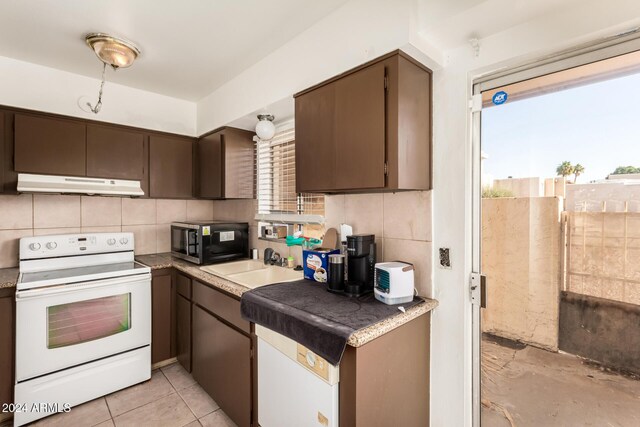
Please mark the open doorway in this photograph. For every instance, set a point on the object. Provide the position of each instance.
(560, 247)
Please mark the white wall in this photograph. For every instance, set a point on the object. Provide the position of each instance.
(32, 86)
(355, 33)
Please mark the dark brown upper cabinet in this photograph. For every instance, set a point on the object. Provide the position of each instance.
(170, 167)
(368, 129)
(46, 145)
(226, 164)
(115, 153)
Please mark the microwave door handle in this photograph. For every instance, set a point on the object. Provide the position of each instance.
(186, 242)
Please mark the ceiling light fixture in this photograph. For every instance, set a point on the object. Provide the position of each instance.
(265, 129)
(113, 51)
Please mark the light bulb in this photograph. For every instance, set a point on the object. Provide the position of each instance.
(265, 129)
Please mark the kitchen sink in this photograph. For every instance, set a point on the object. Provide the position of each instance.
(266, 276)
(252, 273)
(234, 267)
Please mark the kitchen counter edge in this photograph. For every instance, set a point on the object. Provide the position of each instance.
(357, 339)
(9, 277)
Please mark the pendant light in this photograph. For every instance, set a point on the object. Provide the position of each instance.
(113, 51)
(265, 129)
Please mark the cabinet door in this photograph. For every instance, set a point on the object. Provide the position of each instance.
(6, 349)
(222, 365)
(183, 331)
(360, 129)
(114, 153)
(170, 166)
(238, 151)
(161, 317)
(46, 145)
(210, 166)
(2, 151)
(315, 149)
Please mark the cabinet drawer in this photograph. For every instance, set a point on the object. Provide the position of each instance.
(183, 285)
(220, 304)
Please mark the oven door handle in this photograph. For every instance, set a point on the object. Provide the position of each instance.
(69, 288)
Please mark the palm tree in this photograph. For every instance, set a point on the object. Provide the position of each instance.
(564, 169)
(578, 169)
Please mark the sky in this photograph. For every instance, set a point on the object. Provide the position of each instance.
(597, 125)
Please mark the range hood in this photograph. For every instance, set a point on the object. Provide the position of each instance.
(29, 183)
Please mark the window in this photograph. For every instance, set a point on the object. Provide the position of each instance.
(276, 183)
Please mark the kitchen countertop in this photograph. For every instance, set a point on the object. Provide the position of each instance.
(357, 339)
(9, 277)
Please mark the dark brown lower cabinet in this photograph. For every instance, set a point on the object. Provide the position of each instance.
(183, 331)
(7, 349)
(222, 364)
(161, 315)
(398, 394)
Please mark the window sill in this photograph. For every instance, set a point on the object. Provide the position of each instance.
(290, 218)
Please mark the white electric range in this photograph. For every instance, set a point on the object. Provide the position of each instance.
(83, 321)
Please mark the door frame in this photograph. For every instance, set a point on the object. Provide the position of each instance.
(593, 51)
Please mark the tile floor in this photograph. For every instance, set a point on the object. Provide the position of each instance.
(171, 398)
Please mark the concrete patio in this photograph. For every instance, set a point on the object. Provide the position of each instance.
(526, 386)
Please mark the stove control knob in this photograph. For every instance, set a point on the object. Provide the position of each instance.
(124, 240)
(111, 242)
(52, 245)
(34, 246)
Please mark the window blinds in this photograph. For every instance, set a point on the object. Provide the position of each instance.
(276, 183)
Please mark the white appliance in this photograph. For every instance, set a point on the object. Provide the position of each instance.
(394, 282)
(83, 321)
(296, 387)
(30, 183)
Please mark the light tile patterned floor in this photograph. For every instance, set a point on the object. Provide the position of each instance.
(170, 399)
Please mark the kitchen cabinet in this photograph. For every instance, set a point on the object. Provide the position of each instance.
(210, 166)
(368, 129)
(403, 354)
(161, 315)
(225, 165)
(6, 150)
(314, 139)
(222, 365)
(170, 167)
(7, 346)
(222, 356)
(116, 153)
(183, 321)
(49, 145)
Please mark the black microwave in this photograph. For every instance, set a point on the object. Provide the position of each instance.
(210, 242)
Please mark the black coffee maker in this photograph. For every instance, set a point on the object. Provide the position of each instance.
(361, 262)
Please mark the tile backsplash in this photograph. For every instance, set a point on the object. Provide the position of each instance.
(400, 221)
(39, 214)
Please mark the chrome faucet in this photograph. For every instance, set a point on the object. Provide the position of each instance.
(272, 257)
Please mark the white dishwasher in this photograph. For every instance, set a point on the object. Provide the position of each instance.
(296, 387)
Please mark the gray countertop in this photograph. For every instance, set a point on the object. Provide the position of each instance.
(9, 277)
(357, 339)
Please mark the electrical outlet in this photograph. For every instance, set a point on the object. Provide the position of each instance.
(445, 258)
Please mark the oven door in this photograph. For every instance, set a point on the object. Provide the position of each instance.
(68, 325)
(186, 243)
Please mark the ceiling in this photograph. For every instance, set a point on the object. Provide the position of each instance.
(452, 23)
(189, 47)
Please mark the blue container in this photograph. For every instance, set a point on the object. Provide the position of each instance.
(316, 263)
